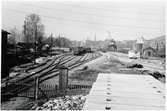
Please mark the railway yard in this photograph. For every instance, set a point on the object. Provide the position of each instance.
(83, 55)
(83, 74)
(22, 77)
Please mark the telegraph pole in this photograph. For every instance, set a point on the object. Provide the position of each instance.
(95, 46)
(59, 41)
(51, 43)
(35, 41)
(25, 29)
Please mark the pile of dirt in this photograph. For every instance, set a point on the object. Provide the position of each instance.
(135, 66)
(159, 76)
(117, 66)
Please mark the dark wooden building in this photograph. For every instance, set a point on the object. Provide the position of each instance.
(149, 52)
(4, 66)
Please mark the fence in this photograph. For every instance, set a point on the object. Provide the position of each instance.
(52, 91)
(35, 90)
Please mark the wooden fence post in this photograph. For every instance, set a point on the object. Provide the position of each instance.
(63, 80)
(36, 87)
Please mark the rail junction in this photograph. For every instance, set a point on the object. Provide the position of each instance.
(24, 80)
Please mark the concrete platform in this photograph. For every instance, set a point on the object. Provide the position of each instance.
(126, 92)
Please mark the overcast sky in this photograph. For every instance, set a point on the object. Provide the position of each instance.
(82, 20)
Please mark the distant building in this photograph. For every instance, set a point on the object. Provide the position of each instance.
(149, 52)
(150, 48)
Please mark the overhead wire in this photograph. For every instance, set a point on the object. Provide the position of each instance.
(80, 21)
(91, 14)
(104, 9)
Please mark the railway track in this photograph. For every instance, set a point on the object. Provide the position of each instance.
(29, 69)
(29, 72)
(72, 64)
(45, 71)
(26, 77)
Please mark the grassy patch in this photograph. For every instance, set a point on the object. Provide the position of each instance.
(85, 75)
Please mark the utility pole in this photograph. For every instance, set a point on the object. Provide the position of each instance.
(35, 41)
(25, 29)
(51, 40)
(95, 46)
(157, 48)
(59, 42)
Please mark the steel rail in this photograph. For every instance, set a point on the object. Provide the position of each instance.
(51, 71)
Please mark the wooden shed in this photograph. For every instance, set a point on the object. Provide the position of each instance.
(149, 52)
(4, 66)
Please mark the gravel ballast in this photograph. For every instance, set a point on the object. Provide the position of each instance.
(64, 103)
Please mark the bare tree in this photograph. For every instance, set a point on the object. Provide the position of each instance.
(13, 36)
(63, 42)
(33, 29)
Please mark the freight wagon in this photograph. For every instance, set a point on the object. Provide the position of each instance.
(81, 50)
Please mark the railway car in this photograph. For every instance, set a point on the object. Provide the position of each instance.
(88, 50)
(78, 50)
(81, 50)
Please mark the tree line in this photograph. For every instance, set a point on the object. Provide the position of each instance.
(34, 33)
